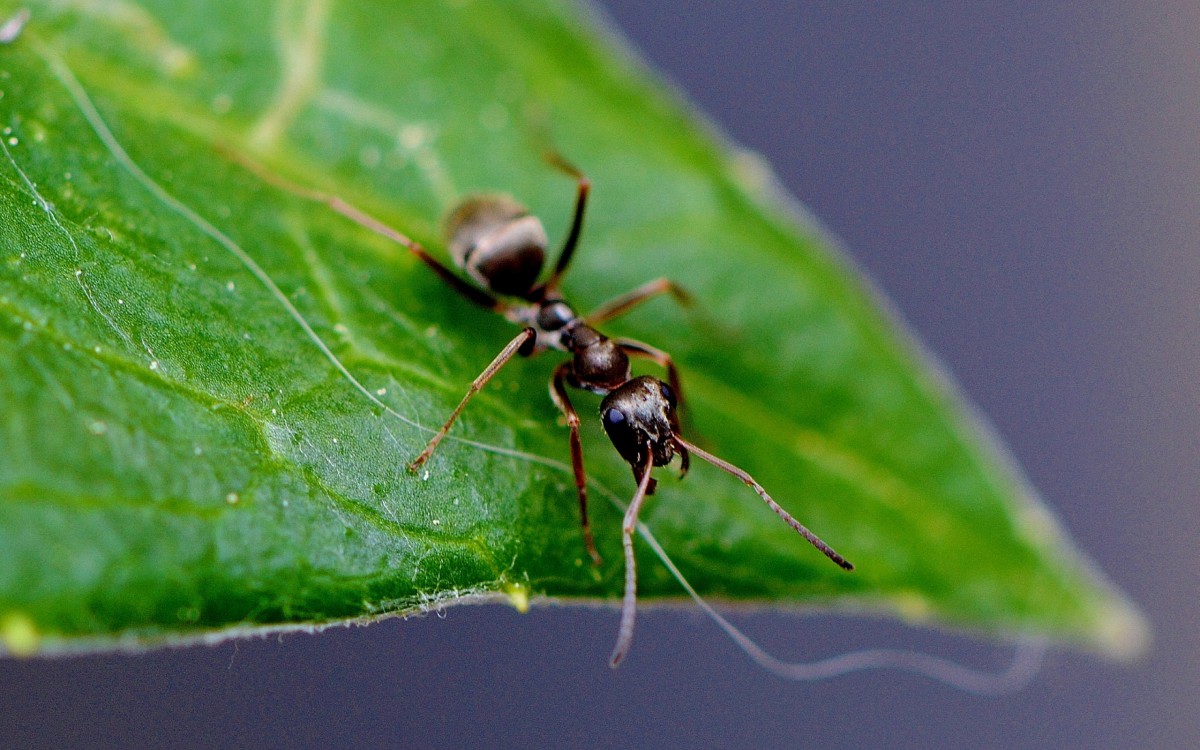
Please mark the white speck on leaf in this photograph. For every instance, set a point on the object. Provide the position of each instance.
(413, 136)
(11, 28)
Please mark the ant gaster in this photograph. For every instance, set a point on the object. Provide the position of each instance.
(502, 247)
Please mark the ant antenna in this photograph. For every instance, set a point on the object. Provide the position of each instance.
(800, 528)
(642, 472)
(629, 603)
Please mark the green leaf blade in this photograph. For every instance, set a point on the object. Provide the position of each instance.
(215, 384)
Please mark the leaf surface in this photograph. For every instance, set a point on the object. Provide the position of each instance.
(212, 385)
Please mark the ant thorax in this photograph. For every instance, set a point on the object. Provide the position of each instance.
(599, 364)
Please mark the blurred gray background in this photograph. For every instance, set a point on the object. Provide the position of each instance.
(1023, 184)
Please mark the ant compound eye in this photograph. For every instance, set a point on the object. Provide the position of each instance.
(668, 393)
(614, 417)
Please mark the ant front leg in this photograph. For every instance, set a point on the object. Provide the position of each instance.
(583, 185)
(620, 305)
(367, 221)
(523, 345)
(558, 394)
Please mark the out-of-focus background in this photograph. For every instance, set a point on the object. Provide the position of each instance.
(1024, 185)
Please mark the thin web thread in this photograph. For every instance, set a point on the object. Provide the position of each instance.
(1026, 662)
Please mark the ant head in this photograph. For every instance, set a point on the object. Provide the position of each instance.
(495, 240)
(641, 413)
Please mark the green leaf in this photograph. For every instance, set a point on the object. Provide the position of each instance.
(211, 385)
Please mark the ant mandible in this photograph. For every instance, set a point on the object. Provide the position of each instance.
(502, 248)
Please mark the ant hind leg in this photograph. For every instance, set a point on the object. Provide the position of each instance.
(583, 186)
(367, 221)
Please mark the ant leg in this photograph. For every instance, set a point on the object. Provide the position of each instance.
(638, 349)
(523, 345)
(626, 302)
(799, 528)
(629, 603)
(467, 290)
(583, 185)
(365, 220)
(558, 394)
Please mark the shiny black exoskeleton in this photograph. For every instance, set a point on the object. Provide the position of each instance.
(641, 416)
(502, 248)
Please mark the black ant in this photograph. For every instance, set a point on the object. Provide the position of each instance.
(502, 247)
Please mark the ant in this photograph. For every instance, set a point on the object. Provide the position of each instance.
(502, 248)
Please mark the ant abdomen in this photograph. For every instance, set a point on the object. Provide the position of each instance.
(496, 240)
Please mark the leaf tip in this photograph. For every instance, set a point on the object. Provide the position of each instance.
(1121, 631)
